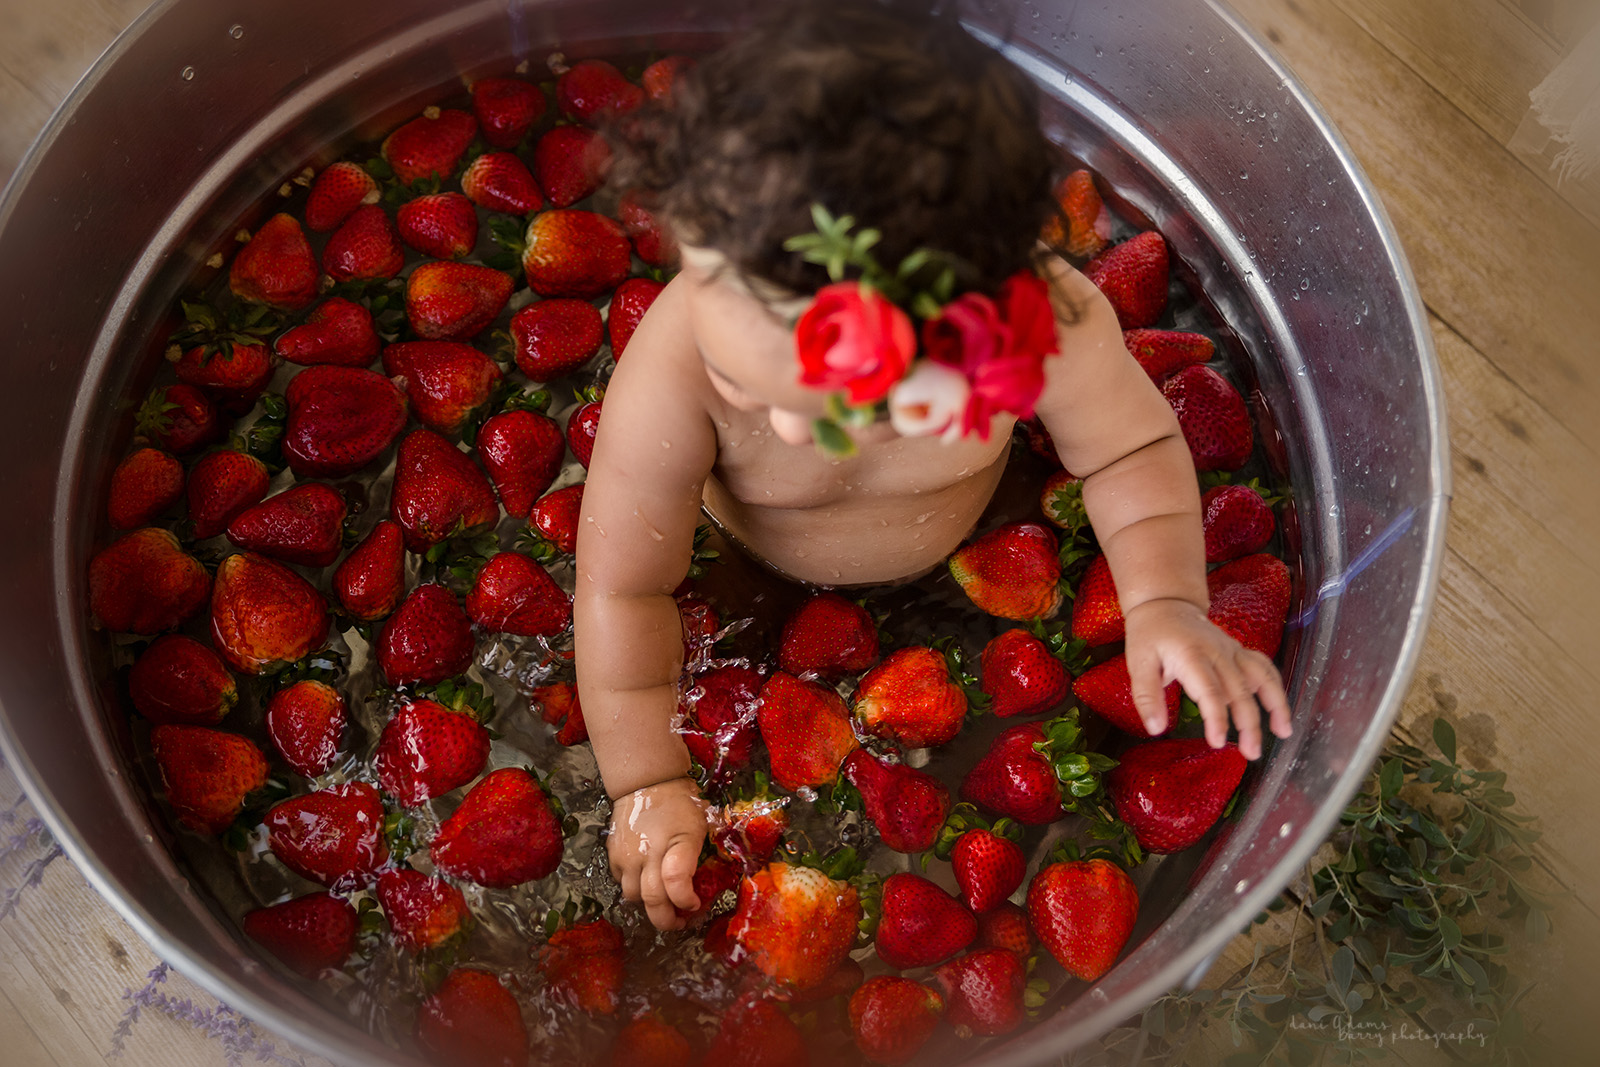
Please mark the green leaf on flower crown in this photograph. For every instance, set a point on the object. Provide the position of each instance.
(830, 438)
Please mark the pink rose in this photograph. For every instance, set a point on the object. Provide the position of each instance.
(851, 338)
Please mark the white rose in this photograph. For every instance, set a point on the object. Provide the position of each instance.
(929, 401)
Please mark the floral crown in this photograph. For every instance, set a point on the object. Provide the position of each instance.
(979, 356)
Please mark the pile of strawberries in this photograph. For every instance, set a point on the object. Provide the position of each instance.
(410, 346)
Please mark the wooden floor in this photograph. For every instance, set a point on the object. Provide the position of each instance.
(1431, 95)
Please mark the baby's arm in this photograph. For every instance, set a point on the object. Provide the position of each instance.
(1112, 426)
(641, 505)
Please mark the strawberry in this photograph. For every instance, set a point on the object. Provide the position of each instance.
(423, 912)
(365, 247)
(1096, 611)
(652, 242)
(309, 935)
(305, 722)
(584, 966)
(471, 1020)
(909, 698)
(145, 484)
(276, 266)
(650, 1041)
(570, 163)
(1133, 276)
(338, 332)
(1213, 417)
(426, 750)
(553, 338)
(506, 109)
(450, 301)
(1161, 352)
(751, 830)
(502, 834)
(756, 1033)
(715, 880)
(720, 945)
(594, 88)
(921, 924)
(700, 624)
(221, 485)
(1083, 912)
(303, 524)
(1021, 675)
(1083, 225)
(892, 1017)
(232, 375)
(1170, 792)
(178, 418)
(555, 516)
(1237, 522)
(514, 595)
(828, 636)
(1250, 601)
(207, 774)
(340, 420)
(1038, 440)
(333, 836)
(499, 181)
(372, 578)
(441, 225)
(1022, 774)
(438, 491)
(575, 253)
(660, 77)
(559, 706)
(429, 145)
(263, 614)
(144, 583)
(179, 680)
(427, 639)
(446, 381)
(1106, 690)
(1012, 572)
(582, 425)
(336, 192)
(719, 708)
(628, 305)
(907, 806)
(984, 989)
(988, 868)
(796, 923)
(806, 729)
(1006, 926)
(522, 451)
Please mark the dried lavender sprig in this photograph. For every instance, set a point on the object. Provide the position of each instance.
(237, 1035)
(19, 840)
(32, 875)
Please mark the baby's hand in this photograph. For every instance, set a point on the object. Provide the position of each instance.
(1172, 640)
(654, 847)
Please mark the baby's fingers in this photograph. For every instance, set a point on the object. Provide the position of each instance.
(1265, 681)
(1149, 697)
(653, 891)
(677, 873)
(1200, 680)
(1242, 702)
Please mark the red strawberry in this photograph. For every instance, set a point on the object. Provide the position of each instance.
(426, 750)
(1096, 611)
(921, 924)
(555, 516)
(263, 614)
(338, 332)
(177, 418)
(423, 912)
(305, 722)
(660, 77)
(333, 836)
(506, 109)
(1160, 352)
(988, 868)
(893, 1017)
(233, 375)
(276, 266)
(700, 624)
(984, 990)
(514, 595)
(144, 583)
(179, 680)
(427, 640)
(1237, 522)
(431, 144)
(303, 524)
(1133, 276)
(1170, 792)
(652, 242)
(144, 485)
(1039, 441)
(1106, 690)
(828, 636)
(441, 225)
(1006, 927)
(1213, 417)
(719, 707)
(446, 381)
(751, 830)
(1021, 675)
(1061, 500)
(582, 425)
(559, 706)
(797, 924)
(909, 698)
(309, 934)
(628, 305)
(365, 248)
(806, 729)
(499, 181)
(340, 420)
(438, 491)
(207, 774)
(907, 806)
(371, 580)
(1083, 912)
(575, 253)
(472, 1020)
(649, 1041)
(1250, 600)
(221, 485)
(1083, 226)
(570, 163)
(594, 88)
(1015, 779)
(584, 966)
(522, 451)
(756, 1033)
(1012, 572)
(450, 301)
(553, 338)
(336, 192)
(502, 834)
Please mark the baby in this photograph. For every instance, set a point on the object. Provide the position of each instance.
(754, 356)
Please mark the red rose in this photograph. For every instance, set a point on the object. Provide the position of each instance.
(999, 345)
(1025, 306)
(967, 334)
(852, 338)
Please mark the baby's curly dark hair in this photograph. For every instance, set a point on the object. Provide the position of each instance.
(881, 109)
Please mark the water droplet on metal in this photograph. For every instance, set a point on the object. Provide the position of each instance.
(187, 74)
(236, 31)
